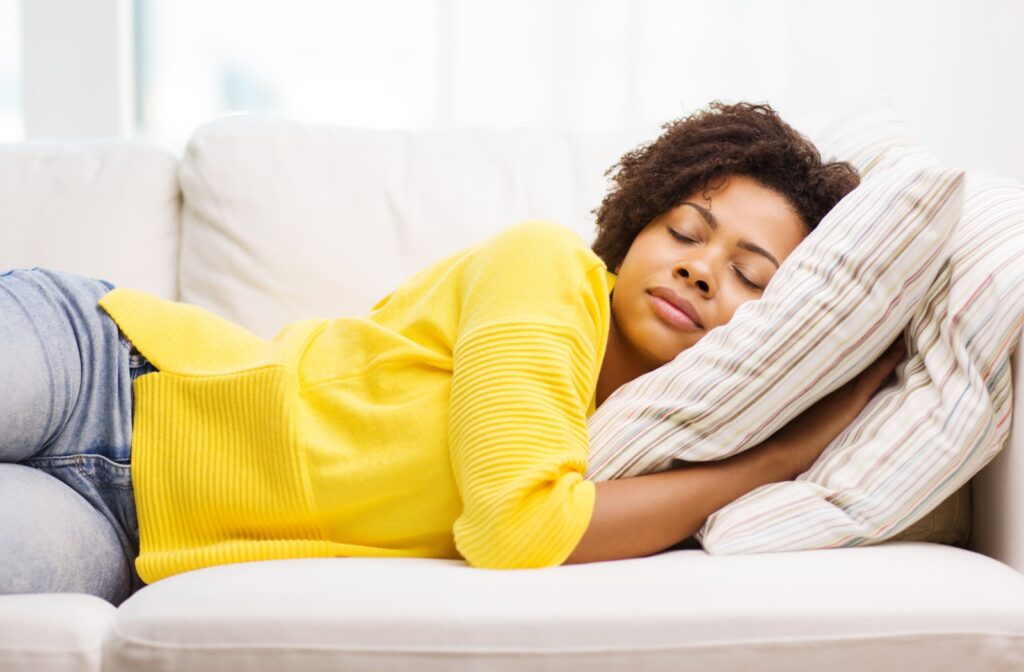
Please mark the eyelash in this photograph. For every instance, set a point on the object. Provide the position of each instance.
(684, 239)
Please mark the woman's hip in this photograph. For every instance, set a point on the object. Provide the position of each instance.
(66, 375)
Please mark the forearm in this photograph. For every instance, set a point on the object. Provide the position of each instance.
(642, 515)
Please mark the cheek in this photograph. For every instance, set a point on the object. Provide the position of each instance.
(620, 307)
(730, 307)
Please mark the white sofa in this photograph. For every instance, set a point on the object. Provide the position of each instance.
(265, 222)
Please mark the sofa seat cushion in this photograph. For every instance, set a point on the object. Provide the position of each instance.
(894, 606)
(52, 632)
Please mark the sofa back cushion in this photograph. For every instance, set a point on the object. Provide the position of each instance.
(108, 209)
(284, 221)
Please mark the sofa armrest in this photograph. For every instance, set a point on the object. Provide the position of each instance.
(998, 504)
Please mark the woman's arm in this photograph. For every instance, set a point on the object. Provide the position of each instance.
(642, 515)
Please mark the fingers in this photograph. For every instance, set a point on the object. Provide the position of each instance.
(899, 346)
(896, 352)
(885, 365)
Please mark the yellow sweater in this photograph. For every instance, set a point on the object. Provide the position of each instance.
(451, 421)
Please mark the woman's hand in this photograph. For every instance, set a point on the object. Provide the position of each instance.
(801, 441)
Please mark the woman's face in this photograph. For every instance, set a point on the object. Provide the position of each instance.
(716, 251)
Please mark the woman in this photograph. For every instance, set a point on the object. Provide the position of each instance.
(449, 422)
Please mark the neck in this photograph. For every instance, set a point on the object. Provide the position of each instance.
(621, 364)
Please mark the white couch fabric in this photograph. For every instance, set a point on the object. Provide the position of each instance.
(97, 208)
(53, 632)
(288, 207)
(285, 221)
(998, 490)
(897, 606)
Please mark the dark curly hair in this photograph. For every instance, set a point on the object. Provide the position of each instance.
(745, 139)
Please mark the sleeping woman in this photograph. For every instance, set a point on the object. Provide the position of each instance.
(141, 438)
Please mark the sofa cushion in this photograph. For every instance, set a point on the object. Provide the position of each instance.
(284, 221)
(894, 607)
(107, 209)
(53, 632)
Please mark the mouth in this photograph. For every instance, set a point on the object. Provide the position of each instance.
(675, 310)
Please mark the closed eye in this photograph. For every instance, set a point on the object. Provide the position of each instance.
(680, 237)
(748, 283)
(690, 241)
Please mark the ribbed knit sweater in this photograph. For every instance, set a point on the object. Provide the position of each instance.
(449, 422)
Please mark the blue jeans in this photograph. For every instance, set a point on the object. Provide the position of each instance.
(67, 509)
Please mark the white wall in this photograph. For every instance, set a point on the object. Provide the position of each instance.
(11, 122)
(949, 66)
(77, 76)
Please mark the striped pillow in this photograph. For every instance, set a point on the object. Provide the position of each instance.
(833, 306)
(861, 138)
(921, 440)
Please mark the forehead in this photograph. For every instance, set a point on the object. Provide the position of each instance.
(738, 200)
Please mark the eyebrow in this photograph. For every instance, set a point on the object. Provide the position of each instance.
(744, 244)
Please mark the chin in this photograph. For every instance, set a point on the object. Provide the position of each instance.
(668, 357)
(663, 357)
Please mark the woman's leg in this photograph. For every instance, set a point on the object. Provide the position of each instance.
(53, 541)
(66, 412)
(63, 369)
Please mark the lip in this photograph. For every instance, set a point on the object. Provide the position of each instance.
(676, 304)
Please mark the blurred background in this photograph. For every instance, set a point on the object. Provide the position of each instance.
(157, 69)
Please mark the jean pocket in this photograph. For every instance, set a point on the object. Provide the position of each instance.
(104, 471)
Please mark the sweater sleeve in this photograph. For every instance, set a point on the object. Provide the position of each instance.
(527, 355)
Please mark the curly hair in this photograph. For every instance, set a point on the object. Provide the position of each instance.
(741, 139)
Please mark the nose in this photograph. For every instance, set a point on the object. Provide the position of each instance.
(697, 276)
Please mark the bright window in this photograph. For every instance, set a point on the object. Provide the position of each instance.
(387, 63)
(357, 63)
(12, 127)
